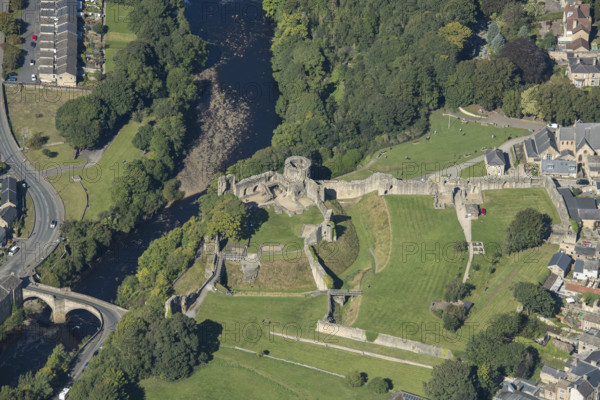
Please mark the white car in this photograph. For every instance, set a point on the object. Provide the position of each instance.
(64, 393)
(31, 62)
(33, 77)
(53, 224)
(13, 250)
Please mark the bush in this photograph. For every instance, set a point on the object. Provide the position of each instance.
(356, 379)
(492, 269)
(371, 336)
(576, 191)
(476, 267)
(36, 141)
(457, 290)
(328, 281)
(379, 385)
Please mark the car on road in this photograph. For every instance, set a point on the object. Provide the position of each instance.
(86, 365)
(582, 182)
(33, 77)
(31, 62)
(64, 393)
(13, 250)
(34, 38)
(53, 224)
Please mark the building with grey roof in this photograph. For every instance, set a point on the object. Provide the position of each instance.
(584, 252)
(8, 193)
(583, 71)
(495, 162)
(542, 146)
(586, 269)
(559, 168)
(559, 264)
(574, 204)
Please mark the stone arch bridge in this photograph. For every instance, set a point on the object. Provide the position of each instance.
(63, 301)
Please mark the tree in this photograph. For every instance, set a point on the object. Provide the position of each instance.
(98, 28)
(379, 385)
(225, 215)
(355, 379)
(535, 64)
(15, 5)
(452, 380)
(529, 104)
(492, 79)
(506, 326)
(36, 141)
(8, 24)
(497, 43)
(535, 298)
(492, 31)
(523, 31)
(456, 290)
(514, 17)
(142, 138)
(13, 57)
(84, 121)
(490, 7)
(456, 34)
(511, 103)
(528, 229)
(548, 41)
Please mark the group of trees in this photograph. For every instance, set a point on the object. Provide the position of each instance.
(528, 229)
(377, 384)
(42, 384)
(10, 27)
(146, 344)
(491, 354)
(536, 299)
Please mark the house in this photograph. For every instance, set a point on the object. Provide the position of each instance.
(556, 391)
(589, 320)
(586, 269)
(559, 264)
(57, 60)
(541, 146)
(583, 71)
(10, 293)
(553, 283)
(587, 342)
(495, 162)
(8, 193)
(593, 166)
(577, 23)
(575, 204)
(582, 139)
(584, 252)
(590, 218)
(559, 168)
(518, 389)
(551, 375)
(8, 216)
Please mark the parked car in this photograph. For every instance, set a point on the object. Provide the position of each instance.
(31, 62)
(582, 182)
(13, 250)
(33, 44)
(33, 77)
(64, 393)
(34, 38)
(483, 211)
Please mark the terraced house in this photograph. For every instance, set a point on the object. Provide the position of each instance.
(58, 42)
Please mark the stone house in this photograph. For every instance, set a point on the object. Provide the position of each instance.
(495, 162)
(559, 168)
(581, 139)
(577, 23)
(589, 320)
(559, 264)
(583, 71)
(586, 269)
(542, 146)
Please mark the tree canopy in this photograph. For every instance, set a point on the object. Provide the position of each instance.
(528, 229)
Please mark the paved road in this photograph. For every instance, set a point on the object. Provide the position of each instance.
(47, 204)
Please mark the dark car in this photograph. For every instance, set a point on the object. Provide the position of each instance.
(582, 182)
(33, 44)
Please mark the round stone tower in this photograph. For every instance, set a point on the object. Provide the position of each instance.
(297, 169)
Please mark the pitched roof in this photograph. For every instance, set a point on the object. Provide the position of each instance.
(584, 387)
(559, 167)
(530, 149)
(8, 192)
(584, 250)
(9, 214)
(576, 203)
(561, 260)
(589, 214)
(578, 44)
(590, 131)
(543, 140)
(554, 372)
(495, 158)
(578, 267)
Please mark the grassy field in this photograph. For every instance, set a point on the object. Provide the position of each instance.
(283, 229)
(422, 262)
(191, 280)
(289, 275)
(372, 227)
(502, 206)
(447, 147)
(234, 374)
(33, 110)
(119, 34)
(242, 320)
(475, 170)
(98, 179)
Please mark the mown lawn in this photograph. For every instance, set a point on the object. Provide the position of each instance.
(242, 320)
(372, 228)
(282, 229)
(98, 179)
(34, 110)
(446, 148)
(119, 34)
(234, 374)
(396, 301)
(475, 170)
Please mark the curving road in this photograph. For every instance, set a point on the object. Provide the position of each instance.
(47, 204)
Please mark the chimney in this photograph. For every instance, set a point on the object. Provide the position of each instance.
(586, 377)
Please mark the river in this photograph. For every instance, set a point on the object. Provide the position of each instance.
(239, 45)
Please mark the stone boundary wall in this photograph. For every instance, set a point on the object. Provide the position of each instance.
(382, 340)
(317, 269)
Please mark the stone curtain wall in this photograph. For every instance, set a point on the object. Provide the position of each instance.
(333, 330)
(317, 269)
